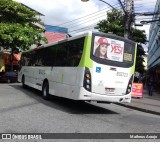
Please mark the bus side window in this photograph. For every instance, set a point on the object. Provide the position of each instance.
(61, 56)
(39, 57)
(47, 56)
(75, 52)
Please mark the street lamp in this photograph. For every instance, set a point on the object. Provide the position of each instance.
(101, 1)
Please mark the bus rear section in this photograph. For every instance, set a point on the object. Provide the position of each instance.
(110, 77)
(111, 84)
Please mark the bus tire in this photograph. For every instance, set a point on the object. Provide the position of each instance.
(45, 90)
(23, 82)
(8, 81)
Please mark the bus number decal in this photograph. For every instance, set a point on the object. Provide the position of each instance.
(122, 74)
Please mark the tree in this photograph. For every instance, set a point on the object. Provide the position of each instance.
(17, 29)
(139, 36)
(114, 23)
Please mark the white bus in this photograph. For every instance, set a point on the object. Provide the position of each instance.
(91, 67)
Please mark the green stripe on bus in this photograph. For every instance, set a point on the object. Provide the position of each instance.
(85, 60)
(133, 67)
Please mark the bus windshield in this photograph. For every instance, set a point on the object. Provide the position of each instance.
(112, 50)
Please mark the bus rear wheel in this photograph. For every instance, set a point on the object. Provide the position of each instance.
(45, 91)
(8, 81)
(23, 82)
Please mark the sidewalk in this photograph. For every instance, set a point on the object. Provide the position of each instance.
(149, 104)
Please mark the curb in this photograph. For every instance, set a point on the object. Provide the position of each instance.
(139, 109)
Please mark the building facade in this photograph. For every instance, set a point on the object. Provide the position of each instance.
(154, 45)
(38, 25)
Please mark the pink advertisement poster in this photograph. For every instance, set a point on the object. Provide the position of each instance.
(137, 90)
(107, 48)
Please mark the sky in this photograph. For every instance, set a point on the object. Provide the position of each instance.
(77, 15)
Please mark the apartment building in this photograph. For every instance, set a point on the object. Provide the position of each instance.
(154, 45)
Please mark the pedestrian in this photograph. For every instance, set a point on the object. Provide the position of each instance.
(101, 50)
(140, 78)
(135, 79)
(150, 86)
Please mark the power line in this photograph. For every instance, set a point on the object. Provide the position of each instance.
(85, 16)
(108, 4)
(73, 31)
(75, 21)
(122, 7)
(83, 28)
(140, 18)
(72, 23)
(81, 17)
(102, 14)
(86, 28)
(86, 21)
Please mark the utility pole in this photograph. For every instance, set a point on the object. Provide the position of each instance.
(128, 11)
(128, 17)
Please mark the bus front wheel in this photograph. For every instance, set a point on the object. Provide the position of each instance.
(45, 91)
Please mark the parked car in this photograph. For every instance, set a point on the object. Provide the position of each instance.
(8, 77)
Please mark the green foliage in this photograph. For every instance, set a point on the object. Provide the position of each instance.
(17, 29)
(138, 36)
(17, 35)
(115, 24)
(12, 11)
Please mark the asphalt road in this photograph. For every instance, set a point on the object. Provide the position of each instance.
(24, 111)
